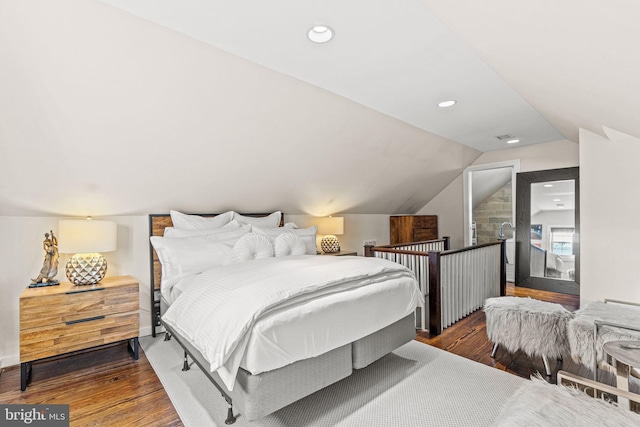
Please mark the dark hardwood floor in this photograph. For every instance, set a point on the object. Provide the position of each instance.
(103, 387)
(106, 388)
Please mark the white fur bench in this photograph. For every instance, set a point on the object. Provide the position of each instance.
(610, 320)
(539, 403)
(537, 328)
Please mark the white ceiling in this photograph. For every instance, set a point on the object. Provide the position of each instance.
(395, 57)
(106, 113)
(575, 61)
(553, 196)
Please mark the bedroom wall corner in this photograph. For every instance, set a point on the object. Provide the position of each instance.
(448, 204)
(609, 231)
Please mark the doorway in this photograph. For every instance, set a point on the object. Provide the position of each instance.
(489, 202)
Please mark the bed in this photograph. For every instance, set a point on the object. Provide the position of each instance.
(274, 341)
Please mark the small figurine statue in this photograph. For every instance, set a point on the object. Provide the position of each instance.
(50, 264)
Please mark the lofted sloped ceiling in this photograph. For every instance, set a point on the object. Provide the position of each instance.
(393, 56)
(576, 62)
(130, 107)
(105, 113)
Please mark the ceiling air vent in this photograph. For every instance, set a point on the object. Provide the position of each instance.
(503, 137)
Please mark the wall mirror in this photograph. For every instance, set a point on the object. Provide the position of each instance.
(548, 230)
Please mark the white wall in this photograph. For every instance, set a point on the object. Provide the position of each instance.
(609, 228)
(357, 228)
(21, 258)
(449, 203)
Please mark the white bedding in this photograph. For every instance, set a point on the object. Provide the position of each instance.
(179, 288)
(218, 311)
(314, 327)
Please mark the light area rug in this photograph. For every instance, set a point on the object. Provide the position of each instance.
(416, 385)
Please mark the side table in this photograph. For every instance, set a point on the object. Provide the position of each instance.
(625, 355)
(66, 318)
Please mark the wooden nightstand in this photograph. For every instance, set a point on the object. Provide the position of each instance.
(61, 319)
(341, 253)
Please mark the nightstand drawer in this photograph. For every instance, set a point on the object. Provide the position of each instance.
(77, 303)
(78, 334)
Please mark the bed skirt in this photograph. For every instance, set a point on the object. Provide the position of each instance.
(255, 396)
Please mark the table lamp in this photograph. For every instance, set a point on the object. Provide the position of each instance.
(86, 239)
(330, 226)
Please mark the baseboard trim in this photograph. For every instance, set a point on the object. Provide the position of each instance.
(8, 361)
(145, 330)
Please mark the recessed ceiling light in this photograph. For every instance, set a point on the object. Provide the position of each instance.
(513, 141)
(556, 200)
(445, 104)
(548, 185)
(320, 33)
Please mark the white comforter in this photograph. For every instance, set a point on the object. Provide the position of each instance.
(217, 312)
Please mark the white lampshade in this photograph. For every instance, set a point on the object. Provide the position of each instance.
(86, 236)
(329, 227)
(86, 239)
(332, 225)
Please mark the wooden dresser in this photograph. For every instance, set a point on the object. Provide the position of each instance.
(413, 228)
(55, 320)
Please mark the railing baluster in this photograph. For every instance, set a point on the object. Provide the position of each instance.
(465, 279)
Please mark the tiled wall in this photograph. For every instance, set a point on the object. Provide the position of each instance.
(495, 210)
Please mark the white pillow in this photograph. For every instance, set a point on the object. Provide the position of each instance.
(227, 236)
(195, 222)
(231, 236)
(307, 235)
(181, 232)
(289, 244)
(182, 257)
(252, 246)
(272, 220)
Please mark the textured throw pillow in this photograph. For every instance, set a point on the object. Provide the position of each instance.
(181, 232)
(252, 246)
(307, 235)
(289, 244)
(194, 222)
(272, 220)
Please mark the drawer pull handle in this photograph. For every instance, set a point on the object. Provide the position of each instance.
(84, 290)
(89, 319)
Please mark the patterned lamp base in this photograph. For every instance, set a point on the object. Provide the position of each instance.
(86, 269)
(330, 244)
